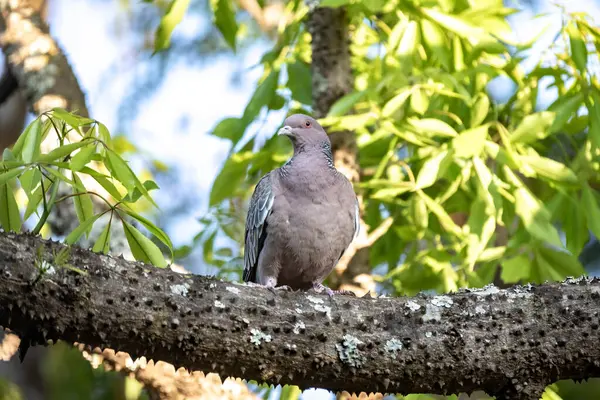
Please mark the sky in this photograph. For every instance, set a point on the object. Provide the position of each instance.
(201, 95)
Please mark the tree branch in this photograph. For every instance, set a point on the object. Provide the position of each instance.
(8, 84)
(331, 79)
(37, 62)
(510, 343)
(363, 241)
(163, 382)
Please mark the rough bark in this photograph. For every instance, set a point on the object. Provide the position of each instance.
(510, 343)
(36, 61)
(13, 106)
(13, 109)
(331, 79)
(44, 77)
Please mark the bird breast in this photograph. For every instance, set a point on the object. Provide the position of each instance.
(317, 226)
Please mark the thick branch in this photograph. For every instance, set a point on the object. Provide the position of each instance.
(331, 79)
(37, 62)
(510, 343)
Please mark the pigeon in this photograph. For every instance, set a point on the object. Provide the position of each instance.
(302, 216)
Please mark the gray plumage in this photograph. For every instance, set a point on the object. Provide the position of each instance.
(302, 216)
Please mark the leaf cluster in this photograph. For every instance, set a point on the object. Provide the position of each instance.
(81, 151)
(472, 183)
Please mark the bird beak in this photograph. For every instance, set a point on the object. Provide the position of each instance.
(286, 131)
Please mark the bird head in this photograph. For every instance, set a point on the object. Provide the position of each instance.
(303, 130)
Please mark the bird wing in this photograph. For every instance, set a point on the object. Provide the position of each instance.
(356, 219)
(260, 207)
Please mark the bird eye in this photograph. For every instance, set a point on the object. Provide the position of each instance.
(307, 124)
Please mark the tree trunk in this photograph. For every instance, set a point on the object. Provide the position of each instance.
(510, 343)
(331, 79)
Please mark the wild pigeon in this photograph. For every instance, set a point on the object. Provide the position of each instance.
(302, 216)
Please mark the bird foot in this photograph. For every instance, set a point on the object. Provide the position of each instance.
(319, 288)
(274, 289)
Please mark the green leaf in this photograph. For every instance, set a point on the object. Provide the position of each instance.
(432, 169)
(142, 248)
(70, 118)
(389, 193)
(136, 194)
(456, 25)
(533, 127)
(574, 224)
(230, 128)
(290, 392)
(441, 214)
(150, 185)
(103, 181)
(432, 127)
(480, 109)
(103, 133)
(435, 41)
(557, 264)
(231, 175)
(471, 142)
(578, 47)
(62, 151)
(10, 174)
(9, 211)
(32, 143)
(565, 108)
(262, 96)
(33, 129)
(334, 3)
(153, 229)
(35, 198)
(121, 171)
(591, 209)
(458, 54)
(168, 22)
(82, 157)
(224, 17)
(418, 212)
(300, 82)
(102, 244)
(395, 35)
(344, 104)
(395, 102)
(482, 225)
(419, 101)
(550, 169)
(535, 217)
(30, 179)
(7, 155)
(85, 226)
(208, 246)
(594, 116)
(276, 103)
(409, 41)
(122, 145)
(84, 207)
(516, 269)
(55, 172)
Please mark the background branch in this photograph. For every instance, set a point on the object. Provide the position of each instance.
(37, 62)
(331, 79)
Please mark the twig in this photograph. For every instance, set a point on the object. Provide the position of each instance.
(361, 243)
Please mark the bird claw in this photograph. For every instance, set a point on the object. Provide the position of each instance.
(345, 293)
(274, 289)
(319, 288)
